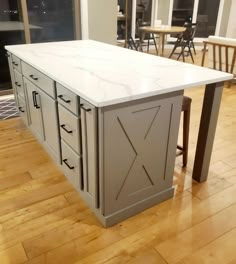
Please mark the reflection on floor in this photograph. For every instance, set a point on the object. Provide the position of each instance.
(8, 107)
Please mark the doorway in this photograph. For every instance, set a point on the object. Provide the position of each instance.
(205, 12)
(207, 17)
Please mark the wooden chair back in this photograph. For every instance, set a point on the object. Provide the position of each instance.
(221, 54)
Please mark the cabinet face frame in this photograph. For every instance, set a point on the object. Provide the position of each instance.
(89, 135)
(50, 124)
(9, 58)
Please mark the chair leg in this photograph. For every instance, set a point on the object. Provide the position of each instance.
(154, 40)
(172, 52)
(134, 45)
(182, 53)
(140, 45)
(129, 46)
(186, 122)
(189, 49)
(148, 45)
(193, 47)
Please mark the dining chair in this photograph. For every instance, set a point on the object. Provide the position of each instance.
(150, 37)
(221, 54)
(183, 149)
(185, 41)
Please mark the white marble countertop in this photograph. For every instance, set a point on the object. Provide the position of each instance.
(104, 74)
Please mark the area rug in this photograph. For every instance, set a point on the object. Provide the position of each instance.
(8, 107)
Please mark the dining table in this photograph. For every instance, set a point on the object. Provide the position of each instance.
(161, 30)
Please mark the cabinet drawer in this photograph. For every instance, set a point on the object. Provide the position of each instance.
(19, 84)
(69, 127)
(67, 98)
(16, 63)
(23, 110)
(71, 164)
(38, 78)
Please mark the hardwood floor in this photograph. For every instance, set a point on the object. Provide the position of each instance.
(43, 220)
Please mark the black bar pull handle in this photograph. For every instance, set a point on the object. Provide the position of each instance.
(64, 128)
(64, 100)
(85, 109)
(33, 77)
(20, 108)
(33, 96)
(36, 103)
(17, 84)
(16, 64)
(70, 167)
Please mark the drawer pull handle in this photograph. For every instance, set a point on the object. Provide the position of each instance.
(85, 109)
(16, 64)
(17, 84)
(20, 108)
(7, 55)
(33, 77)
(36, 103)
(34, 93)
(70, 167)
(64, 100)
(64, 128)
(33, 96)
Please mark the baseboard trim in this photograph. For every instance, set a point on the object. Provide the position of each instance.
(134, 209)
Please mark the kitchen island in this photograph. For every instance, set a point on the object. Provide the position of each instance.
(109, 117)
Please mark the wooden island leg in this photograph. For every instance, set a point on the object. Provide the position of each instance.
(206, 134)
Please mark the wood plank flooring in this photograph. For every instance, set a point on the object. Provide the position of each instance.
(44, 221)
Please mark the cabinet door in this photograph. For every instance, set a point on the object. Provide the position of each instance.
(89, 151)
(35, 116)
(50, 122)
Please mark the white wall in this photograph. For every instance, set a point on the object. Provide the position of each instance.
(163, 11)
(101, 24)
(231, 29)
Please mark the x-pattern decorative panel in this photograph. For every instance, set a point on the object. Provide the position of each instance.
(137, 141)
(138, 165)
